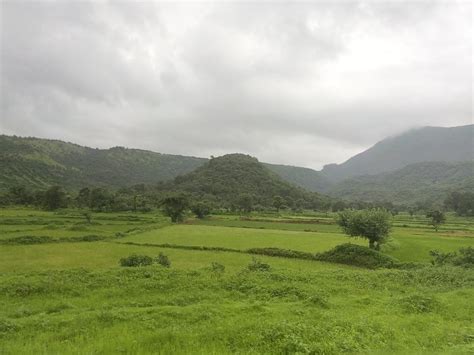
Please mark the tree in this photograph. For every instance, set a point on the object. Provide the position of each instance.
(201, 209)
(437, 218)
(372, 224)
(245, 202)
(461, 202)
(100, 199)
(54, 198)
(278, 202)
(83, 197)
(174, 207)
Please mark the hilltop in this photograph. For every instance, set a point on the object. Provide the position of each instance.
(40, 163)
(428, 144)
(226, 178)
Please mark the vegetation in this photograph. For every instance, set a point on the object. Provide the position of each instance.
(372, 224)
(136, 260)
(461, 202)
(305, 293)
(174, 206)
(357, 255)
(412, 147)
(464, 257)
(241, 182)
(437, 218)
(41, 163)
(428, 183)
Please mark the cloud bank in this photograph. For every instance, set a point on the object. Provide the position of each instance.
(294, 83)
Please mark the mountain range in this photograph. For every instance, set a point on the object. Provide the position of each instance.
(425, 163)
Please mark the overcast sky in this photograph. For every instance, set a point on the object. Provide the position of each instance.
(296, 83)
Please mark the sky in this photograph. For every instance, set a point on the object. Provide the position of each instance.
(296, 83)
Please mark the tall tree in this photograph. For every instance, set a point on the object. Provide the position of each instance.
(54, 198)
(174, 206)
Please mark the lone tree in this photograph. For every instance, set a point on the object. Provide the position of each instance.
(278, 202)
(54, 198)
(437, 218)
(174, 207)
(372, 224)
(201, 209)
(245, 202)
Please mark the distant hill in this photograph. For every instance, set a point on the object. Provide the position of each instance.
(426, 144)
(427, 181)
(225, 178)
(39, 163)
(306, 178)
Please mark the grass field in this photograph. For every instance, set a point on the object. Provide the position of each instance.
(69, 296)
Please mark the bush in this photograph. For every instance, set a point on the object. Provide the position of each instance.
(135, 260)
(285, 253)
(352, 254)
(163, 260)
(28, 239)
(418, 303)
(464, 257)
(217, 268)
(257, 265)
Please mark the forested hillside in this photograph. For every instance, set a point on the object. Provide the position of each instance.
(234, 177)
(39, 163)
(429, 182)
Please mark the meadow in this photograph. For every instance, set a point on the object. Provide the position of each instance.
(62, 289)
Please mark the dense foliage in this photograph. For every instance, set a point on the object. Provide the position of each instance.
(41, 163)
(357, 255)
(461, 202)
(241, 182)
(427, 183)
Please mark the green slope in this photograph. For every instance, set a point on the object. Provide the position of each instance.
(427, 181)
(39, 163)
(225, 178)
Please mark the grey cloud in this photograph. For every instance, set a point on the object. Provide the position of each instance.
(295, 83)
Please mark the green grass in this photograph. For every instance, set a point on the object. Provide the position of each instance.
(75, 298)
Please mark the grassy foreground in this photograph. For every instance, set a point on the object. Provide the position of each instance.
(72, 297)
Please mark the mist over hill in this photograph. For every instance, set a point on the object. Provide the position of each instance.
(453, 144)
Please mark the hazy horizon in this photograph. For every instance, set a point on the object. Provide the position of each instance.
(302, 84)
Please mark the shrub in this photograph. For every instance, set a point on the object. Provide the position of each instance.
(257, 265)
(28, 239)
(136, 260)
(352, 254)
(163, 260)
(217, 268)
(418, 303)
(464, 257)
(285, 253)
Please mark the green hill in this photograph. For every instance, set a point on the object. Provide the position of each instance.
(228, 177)
(39, 163)
(427, 181)
(306, 178)
(453, 144)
